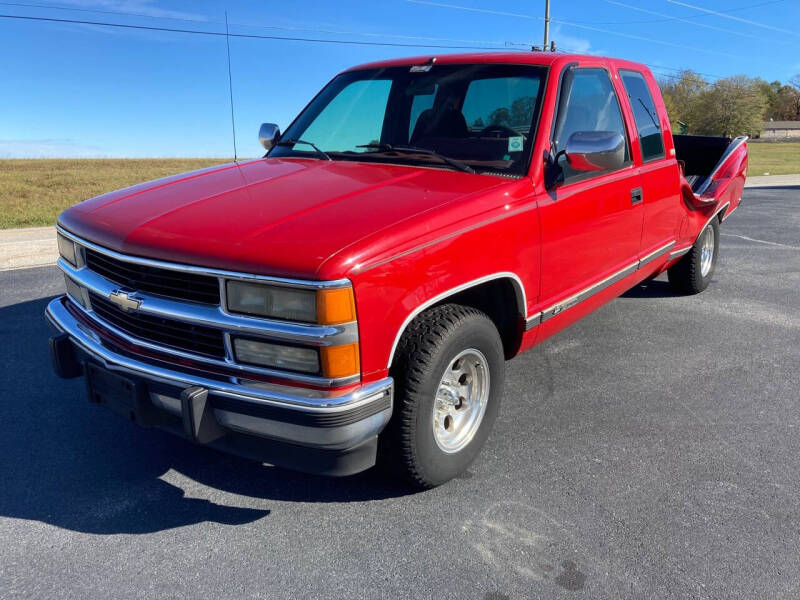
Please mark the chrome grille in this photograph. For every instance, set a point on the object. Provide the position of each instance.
(197, 339)
(180, 285)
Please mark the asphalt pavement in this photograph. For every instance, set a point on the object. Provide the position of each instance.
(650, 451)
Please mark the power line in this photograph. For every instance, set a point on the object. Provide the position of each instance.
(689, 21)
(573, 24)
(733, 18)
(670, 18)
(249, 35)
(283, 38)
(271, 27)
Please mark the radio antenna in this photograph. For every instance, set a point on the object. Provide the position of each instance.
(230, 86)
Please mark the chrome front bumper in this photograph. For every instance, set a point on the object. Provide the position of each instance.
(318, 419)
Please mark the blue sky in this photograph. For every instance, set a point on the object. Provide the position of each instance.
(83, 90)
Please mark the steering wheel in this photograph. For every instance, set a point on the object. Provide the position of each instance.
(498, 130)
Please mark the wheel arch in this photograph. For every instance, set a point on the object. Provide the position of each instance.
(492, 294)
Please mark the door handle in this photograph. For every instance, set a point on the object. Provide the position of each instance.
(636, 195)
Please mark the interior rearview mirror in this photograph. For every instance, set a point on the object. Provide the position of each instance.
(268, 135)
(595, 151)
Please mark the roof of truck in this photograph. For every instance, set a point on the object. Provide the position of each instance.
(526, 58)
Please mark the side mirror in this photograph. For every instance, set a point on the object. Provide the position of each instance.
(268, 135)
(595, 151)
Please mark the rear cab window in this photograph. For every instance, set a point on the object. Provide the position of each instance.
(644, 114)
(501, 103)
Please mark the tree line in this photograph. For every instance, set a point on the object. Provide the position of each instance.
(732, 106)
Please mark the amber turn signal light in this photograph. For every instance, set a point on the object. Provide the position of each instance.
(339, 361)
(336, 306)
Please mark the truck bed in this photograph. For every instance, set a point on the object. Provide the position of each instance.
(703, 157)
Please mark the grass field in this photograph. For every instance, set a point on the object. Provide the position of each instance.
(33, 192)
(775, 158)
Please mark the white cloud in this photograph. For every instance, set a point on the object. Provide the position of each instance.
(48, 149)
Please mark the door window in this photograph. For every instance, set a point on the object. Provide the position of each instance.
(587, 102)
(645, 115)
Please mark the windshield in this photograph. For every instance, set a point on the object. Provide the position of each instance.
(479, 115)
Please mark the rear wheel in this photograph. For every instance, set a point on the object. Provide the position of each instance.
(448, 373)
(692, 274)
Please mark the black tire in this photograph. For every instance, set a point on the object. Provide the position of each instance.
(427, 348)
(686, 276)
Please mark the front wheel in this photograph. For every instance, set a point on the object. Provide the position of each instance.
(448, 373)
(692, 274)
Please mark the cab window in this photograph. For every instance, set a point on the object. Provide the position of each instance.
(645, 115)
(587, 102)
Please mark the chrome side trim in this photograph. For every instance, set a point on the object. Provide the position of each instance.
(596, 288)
(587, 293)
(711, 218)
(518, 288)
(303, 283)
(655, 254)
(261, 393)
(728, 151)
(680, 252)
(533, 321)
(729, 213)
(214, 316)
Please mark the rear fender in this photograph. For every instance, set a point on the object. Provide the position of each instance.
(726, 182)
(716, 198)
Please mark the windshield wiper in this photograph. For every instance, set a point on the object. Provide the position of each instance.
(292, 142)
(413, 150)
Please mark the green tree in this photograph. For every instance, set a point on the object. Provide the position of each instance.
(680, 93)
(787, 105)
(500, 116)
(731, 106)
(783, 101)
(522, 111)
(770, 93)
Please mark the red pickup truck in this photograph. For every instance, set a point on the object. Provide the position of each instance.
(351, 297)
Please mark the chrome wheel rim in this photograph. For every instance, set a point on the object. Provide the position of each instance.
(707, 251)
(461, 401)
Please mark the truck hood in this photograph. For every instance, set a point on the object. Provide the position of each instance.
(283, 217)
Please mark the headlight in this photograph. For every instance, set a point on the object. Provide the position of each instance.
(76, 292)
(272, 301)
(325, 307)
(66, 248)
(276, 356)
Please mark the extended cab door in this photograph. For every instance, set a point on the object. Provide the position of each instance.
(661, 201)
(592, 222)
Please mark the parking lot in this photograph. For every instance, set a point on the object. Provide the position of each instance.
(651, 450)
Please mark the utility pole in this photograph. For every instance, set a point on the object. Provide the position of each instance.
(546, 24)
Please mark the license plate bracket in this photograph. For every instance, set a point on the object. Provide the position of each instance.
(125, 396)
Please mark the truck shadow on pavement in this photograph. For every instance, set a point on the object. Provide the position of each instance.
(653, 288)
(78, 466)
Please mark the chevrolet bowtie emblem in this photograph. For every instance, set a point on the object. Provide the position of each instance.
(125, 300)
